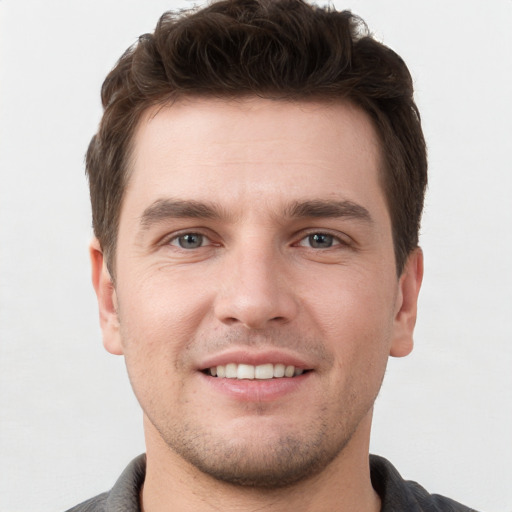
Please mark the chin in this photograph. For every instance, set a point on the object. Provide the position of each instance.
(270, 461)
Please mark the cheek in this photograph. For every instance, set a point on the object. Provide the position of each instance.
(355, 318)
(158, 318)
(352, 303)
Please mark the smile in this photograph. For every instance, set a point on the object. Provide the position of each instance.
(259, 372)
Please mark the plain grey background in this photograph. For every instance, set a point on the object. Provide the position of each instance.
(68, 421)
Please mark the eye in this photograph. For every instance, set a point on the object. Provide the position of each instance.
(319, 241)
(189, 241)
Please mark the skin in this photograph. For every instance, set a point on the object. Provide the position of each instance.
(293, 261)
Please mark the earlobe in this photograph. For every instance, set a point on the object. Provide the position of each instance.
(406, 305)
(106, 295)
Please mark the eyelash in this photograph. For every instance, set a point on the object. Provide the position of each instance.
(179, 236)
(335, 240)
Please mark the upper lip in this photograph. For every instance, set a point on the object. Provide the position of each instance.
(255, 358)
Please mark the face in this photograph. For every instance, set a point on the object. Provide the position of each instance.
(256, 298)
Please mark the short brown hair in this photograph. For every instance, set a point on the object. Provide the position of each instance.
(282, 49)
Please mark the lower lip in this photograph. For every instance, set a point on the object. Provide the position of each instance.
(265, 390)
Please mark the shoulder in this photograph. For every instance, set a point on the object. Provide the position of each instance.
(96, 504)
(399, 495)
(123, 496)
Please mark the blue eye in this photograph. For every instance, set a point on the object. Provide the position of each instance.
(321, 240)
(189, 241)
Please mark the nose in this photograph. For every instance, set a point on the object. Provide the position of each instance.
(256, 289)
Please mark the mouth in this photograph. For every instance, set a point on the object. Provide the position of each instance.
(254, 372)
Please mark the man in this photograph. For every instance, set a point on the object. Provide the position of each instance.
(257, 184)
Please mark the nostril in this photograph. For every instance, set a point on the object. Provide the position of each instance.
(230, 320)
(280, 319)
(255, 309)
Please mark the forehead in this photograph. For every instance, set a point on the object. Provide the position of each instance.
(242, 150)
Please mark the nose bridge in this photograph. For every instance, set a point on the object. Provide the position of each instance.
(254, 286)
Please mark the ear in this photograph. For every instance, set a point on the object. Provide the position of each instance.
(406, 304)
(107, 301)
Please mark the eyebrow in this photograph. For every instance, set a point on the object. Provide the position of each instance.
(163, 209)
(319, 208)
(168, 208)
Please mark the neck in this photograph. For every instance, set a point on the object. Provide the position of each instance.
(173, 484)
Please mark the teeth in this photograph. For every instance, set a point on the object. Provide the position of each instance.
(260, 372)
(264, 371)
(245, 371)
(231, 371)
(279, 370)
(289, 371)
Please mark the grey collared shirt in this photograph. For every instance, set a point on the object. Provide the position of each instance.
(397, 494)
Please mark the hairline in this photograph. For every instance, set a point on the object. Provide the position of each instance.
(152, 107)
